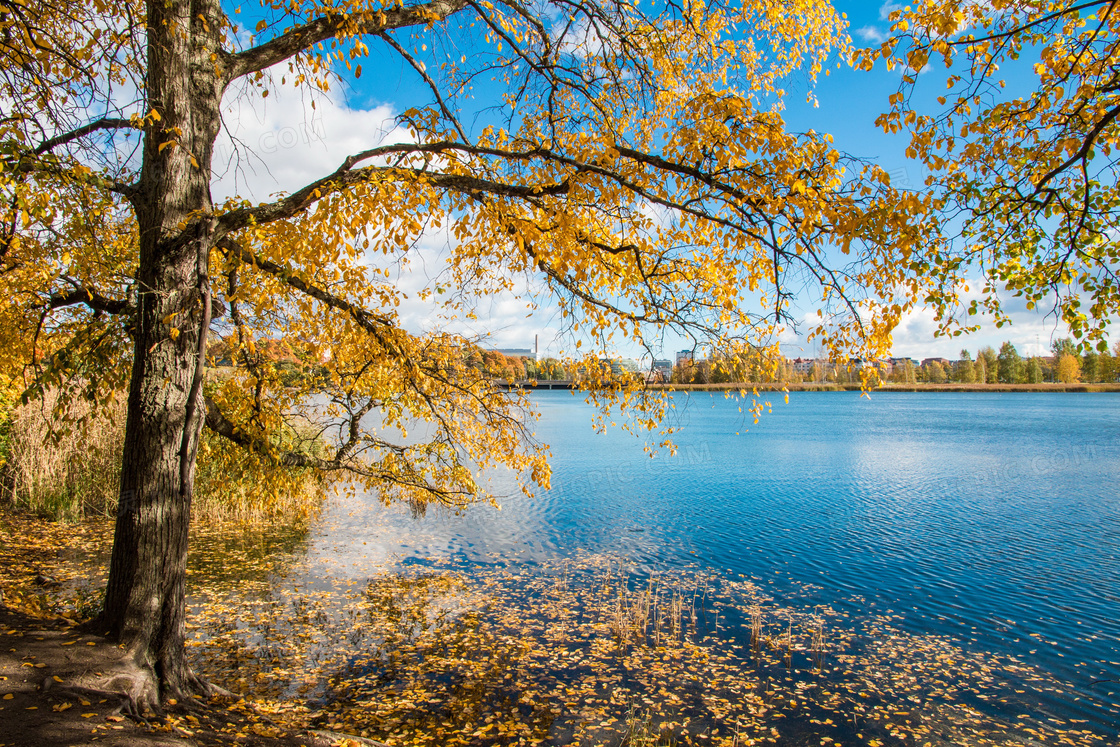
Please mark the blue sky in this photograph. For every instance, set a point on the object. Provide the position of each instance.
(291, 144)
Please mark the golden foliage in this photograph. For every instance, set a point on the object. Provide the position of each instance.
(1022, 152)
(1069, 369)
(636, 166)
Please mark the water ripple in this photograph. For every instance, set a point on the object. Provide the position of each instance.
(992, 519)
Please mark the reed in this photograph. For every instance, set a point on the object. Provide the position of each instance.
(817, 646)
(630, 612)
(756, 628)
(657, 614)
(64, 469)
(641, 731)
(61, 459)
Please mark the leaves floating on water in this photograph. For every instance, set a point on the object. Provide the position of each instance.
(583, 652)
(579, 651)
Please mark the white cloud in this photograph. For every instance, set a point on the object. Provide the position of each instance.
(282, 142)
(887, 8)
(1030, 332)
(871, 34)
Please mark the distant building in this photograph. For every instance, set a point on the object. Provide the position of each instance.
(805, 365)
(624, 365)
(942, 361)
(533, 354)
(684, 358)
(660, 371)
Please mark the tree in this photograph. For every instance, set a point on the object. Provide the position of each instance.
(981, 371)
(904, 373)
(1091, 367)
(636, 162)
(1022, 152)
(991, 364)
(1063, 346)
(963, 370)
(1034, 371)
(935, 373)
(552, 370)
(1107, 367)
(1069, 369)
(1010, 365)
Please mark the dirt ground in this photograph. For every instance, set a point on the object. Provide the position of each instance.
(44, 660)
(40, 661)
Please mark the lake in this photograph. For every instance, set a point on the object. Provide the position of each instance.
(843, 557)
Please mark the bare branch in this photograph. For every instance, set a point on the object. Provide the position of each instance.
(302, 38)
(105, 123)
(92, 299)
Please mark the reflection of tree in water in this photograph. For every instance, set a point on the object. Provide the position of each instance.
(234, 555)
(580, 652)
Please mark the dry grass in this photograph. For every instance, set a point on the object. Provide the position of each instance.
(64, 470)
(68, 468)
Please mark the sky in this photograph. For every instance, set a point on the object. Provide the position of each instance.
(280, 143)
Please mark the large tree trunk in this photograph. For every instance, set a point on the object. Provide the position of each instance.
(145, 599)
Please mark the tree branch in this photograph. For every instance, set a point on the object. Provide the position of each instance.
(105, 123)
(217, 422)
(92, 299)
(1083, 151)
(19, 165)
(964, 41)
(344, 177)
(371, 323)
(303, 37)
(419, 68)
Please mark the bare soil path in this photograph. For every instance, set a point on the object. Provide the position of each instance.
(42, 702)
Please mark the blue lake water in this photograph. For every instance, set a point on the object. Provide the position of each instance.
(990, 519)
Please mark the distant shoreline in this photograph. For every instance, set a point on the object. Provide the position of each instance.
(890, 387)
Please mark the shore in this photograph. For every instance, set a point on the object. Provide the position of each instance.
(890, 387)
(41, 703)
(46, 657)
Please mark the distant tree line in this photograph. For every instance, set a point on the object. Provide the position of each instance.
(1067, 364)
(517, 368)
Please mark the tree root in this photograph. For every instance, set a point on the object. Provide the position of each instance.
(334, 737)
(136, 687)
(139, 690)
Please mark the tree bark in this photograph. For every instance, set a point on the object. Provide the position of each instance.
(145, 598)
